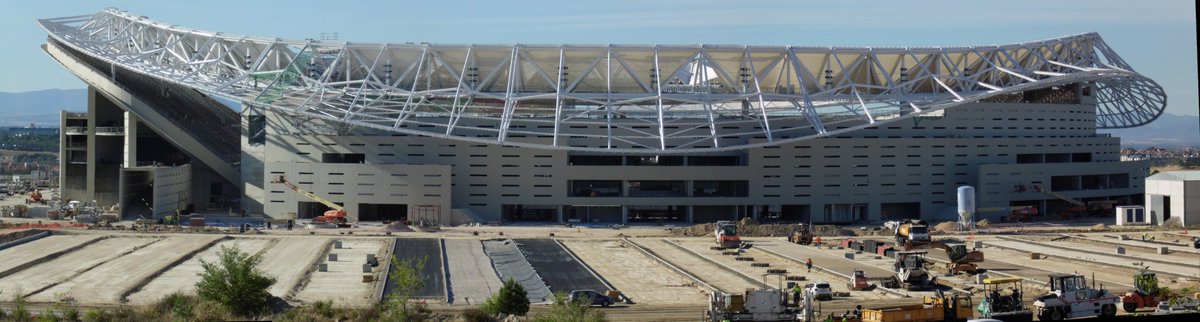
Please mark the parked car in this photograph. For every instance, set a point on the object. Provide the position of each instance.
(595, 297)
(821, 291)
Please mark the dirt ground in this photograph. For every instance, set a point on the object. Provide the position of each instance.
(793, 269)
(651, 284)
(707, 272)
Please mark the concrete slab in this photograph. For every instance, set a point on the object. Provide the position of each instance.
(109, 282)
(1103, 273)
(183, 277)
(561, 272)
(838, 283)
(1180, 269)
(714, 275)
(430, 251)
(342, 281)
(511, 263)
(60, 269)
(637, 276)
(472, 278)
(289, 259)
(38, 250)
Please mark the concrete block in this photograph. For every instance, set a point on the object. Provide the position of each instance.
(1163, 250)
(337, 244)
(878, 257)
(1120, 250)
(978, 244)
(1124, 237)
(322, 267)
(849, 255)
(370, 258)
(366, 268)
(332, 257)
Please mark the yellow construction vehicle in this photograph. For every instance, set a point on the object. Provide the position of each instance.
(961, 260)
(940, 308)
(335, 214)
(801, 234)
(912, 232)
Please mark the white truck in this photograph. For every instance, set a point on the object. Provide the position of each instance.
(1070, 297)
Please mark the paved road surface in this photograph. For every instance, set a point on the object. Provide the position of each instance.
(560, 271)
(511, 263)
(429, 250)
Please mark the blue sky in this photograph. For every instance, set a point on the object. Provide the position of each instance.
(1157, 37)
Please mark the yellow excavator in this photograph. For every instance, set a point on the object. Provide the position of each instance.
(336, 213)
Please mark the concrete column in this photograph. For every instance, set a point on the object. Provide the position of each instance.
(624, 215)
(875, 210)
(130, 157)
(90, 191)
(689, 214)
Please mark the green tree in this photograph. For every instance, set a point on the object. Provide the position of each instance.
(511, 299)
(578, 310)
(235, 282)
(406, 275)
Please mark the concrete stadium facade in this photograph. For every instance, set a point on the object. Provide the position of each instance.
(858, 147)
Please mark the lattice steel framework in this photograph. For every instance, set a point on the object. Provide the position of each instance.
(647, 99)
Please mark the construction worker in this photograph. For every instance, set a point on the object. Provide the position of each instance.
(808, 263)
(857, 312)
(796, 289)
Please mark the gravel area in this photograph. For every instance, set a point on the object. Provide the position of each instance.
(342, 282)
(714, 275)
(472, 278)
(38, 249)
(109, 282)
(183, 277)
(289, 259)
(60, 269)
(641, 278)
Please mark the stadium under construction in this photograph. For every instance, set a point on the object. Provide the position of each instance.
(181, 119)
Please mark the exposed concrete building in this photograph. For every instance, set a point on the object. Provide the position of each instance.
(608, 134)
(1174, 194)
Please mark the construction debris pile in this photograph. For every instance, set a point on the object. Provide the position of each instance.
(748, 227)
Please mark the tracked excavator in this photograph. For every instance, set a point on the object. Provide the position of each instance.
(961, 259)
(336, 213)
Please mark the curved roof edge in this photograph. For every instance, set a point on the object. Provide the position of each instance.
(790, 93)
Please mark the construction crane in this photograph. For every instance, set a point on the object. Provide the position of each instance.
(335, 214)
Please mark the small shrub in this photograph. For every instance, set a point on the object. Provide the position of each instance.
(512, 299)
(19, 312)
(406, 275)
(324, 308)
(235, 282)
(98, 315)
(209, 311)
(564, 310)
(477, 315)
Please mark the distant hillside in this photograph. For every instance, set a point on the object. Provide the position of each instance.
(40, 107)
(1169, 130)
